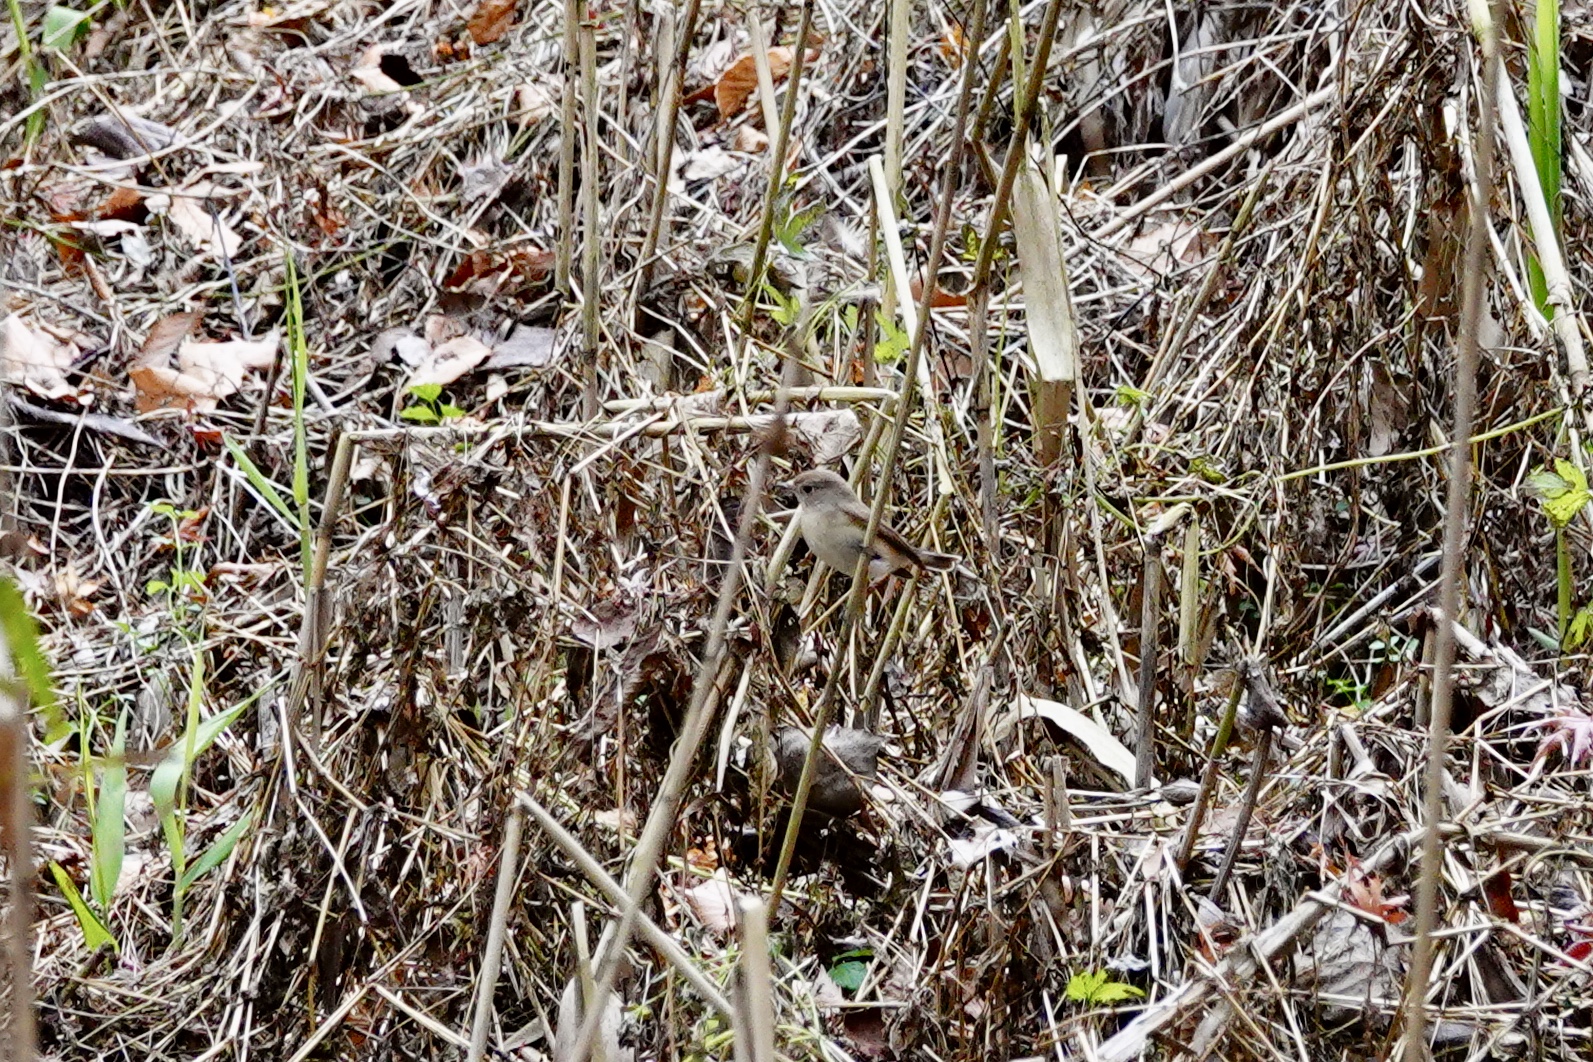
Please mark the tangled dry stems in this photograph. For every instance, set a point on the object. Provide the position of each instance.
(519, 600)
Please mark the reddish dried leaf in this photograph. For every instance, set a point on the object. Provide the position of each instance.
(1496, 889)
(188, 529)
(123, 204)
(941, 299)
(740, 81)
(1581, 951)
(1364, 890)
(491, 20)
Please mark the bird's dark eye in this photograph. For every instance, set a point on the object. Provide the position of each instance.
(807, 490)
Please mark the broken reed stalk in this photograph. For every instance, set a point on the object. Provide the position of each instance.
(899, 20)
(760, 63)
(984, 426)
(664, 151)
(564, 249)
(1017, 146)
(16, 841)
(591, 215)
(1247, 807)
(1459, 496)
(779, 146)
(1208, 777)
(1546, 242)
(915, 352)
(317, 620)
(1149, 626)
(755, 1021)
(492, 954)
(593, 1003)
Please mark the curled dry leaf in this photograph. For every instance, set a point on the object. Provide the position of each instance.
(534, 102)
(527, 347)
(1107, 749)
(448, 361)
(491, 20)
(830, 434)
(201, 374)
(740, 79)
(190, 211)
(33, 359)
(713, 903)
(73, 591)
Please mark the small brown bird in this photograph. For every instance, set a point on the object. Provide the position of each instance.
(832, 521)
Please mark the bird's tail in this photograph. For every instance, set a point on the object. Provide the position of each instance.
(940, 562)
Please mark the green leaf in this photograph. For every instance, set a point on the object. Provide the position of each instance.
(63, 27)
(849, 975)
(22, 635)
(1082, 986)
(427, 392)
(419, 414)
(166, 776)
(257, 479)
(1580, 627)
(450, 412)
(110, 824)
(216, 853)
(892, 343)
(1117, 992)
(1564, 491)
(1098, 988)
(95, 935)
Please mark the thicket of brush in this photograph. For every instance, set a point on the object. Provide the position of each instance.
(474, 422)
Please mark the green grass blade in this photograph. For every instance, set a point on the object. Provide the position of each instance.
(22, 635)
(1544, 128)
(217, 852)
(110, 824)
(95, 935)
(257, 479)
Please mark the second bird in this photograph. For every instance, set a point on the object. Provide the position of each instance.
(832, 521)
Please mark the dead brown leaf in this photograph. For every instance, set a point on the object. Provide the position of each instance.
(491, 20)
(449, 361)
(204, 372)
(740, 81)
(190, 211)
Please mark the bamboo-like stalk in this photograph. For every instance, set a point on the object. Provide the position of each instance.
(1017, 147)
(591, 213)
(896, 94)
(780, 144)
(755, 1029)
(1453, 571)
(1149, 627)
(564, 249)
(664, 150)
(16, 841)
(503, 894)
